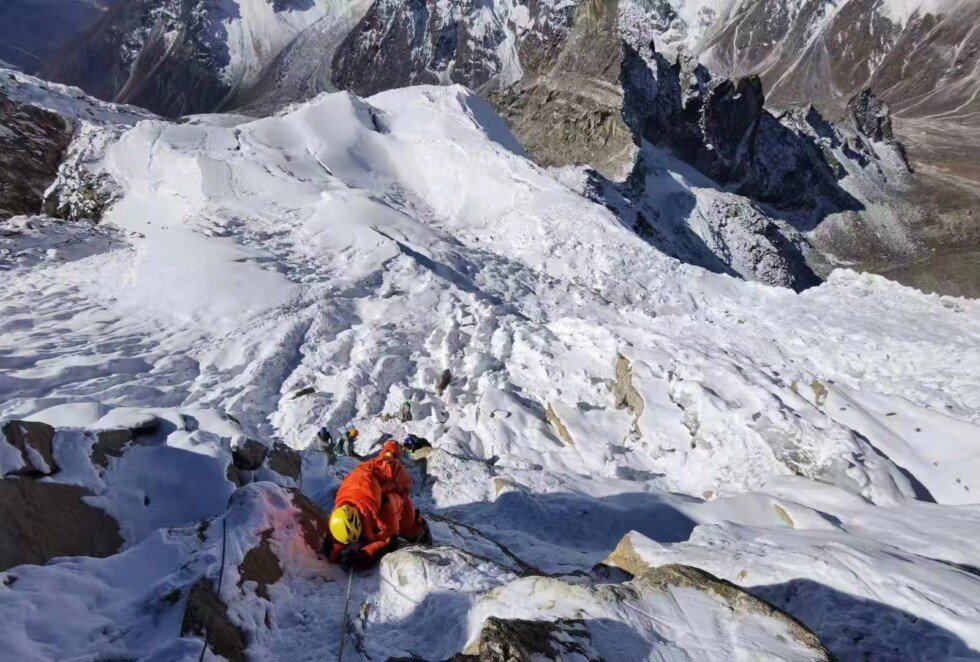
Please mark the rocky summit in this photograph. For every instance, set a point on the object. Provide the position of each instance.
(666, 305)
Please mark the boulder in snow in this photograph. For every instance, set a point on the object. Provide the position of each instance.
(248, 454)
(40, 521)
(261, 565)
(518, 640)
(110, 443)
(206, 616)
(35, 442)
(285, 461)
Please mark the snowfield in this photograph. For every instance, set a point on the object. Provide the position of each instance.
(259, 279)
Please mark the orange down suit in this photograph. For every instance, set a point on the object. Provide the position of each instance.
(379, 489)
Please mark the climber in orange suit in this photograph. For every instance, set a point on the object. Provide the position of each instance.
(374, 507)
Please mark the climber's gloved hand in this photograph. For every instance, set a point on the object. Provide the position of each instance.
(353, 558)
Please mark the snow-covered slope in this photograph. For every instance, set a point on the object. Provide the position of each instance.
(177, 57)
(258, 279)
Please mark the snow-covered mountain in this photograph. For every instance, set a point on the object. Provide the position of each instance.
(921, 57)
(633, 458)
(177, 57)
(587, 83)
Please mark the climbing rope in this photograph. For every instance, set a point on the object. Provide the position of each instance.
(221, 577)
(343, 627)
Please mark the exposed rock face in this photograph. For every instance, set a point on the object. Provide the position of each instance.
(740, 601)
(40, 521)
(424, 41)
(445, 379)
(625, 395)
(109, 444)
(559, 427)
(262, 566)
(35, 441)
(923, 64)
(567, 109)
(724, 616)
(312, 522)
(872, 116)
(807, 52)
(248, 454)
(32, 144)
(518, 640)
(206, 617)
(722, 128)
(150, 53)
(285, 461)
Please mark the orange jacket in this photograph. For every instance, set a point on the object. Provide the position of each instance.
(380, 490)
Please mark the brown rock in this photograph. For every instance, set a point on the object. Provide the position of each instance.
(739, 600)
(521, 641)
(625, 395)
(312, 521)
(31, 149)
(206, 616)
(560, 427)
(40, 521)
(444, 381)
(110, 443)
(248, 454)
(28, 436)
(285, 461)
(261, 565)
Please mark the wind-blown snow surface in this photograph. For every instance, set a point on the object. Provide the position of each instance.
(361, 248)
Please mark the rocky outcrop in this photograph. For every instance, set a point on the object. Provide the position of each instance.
(418, 42)
(285, 461)
(35, 441)
(248, 454)
(558, 425)
(625, 395)
(109, 444)
(445, 379)
(567, 108)
(33, 142)
(723, 129)
(152, 54)
(40, 521)
(134, 427)
(312, 522)
(80, 190)
(206, 617)
(517, 640)
(662, 607)
(262, 566)
(739, 601)
(871, 116)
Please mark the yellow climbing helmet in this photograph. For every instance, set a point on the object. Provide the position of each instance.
(345, 524)
(353, 433)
